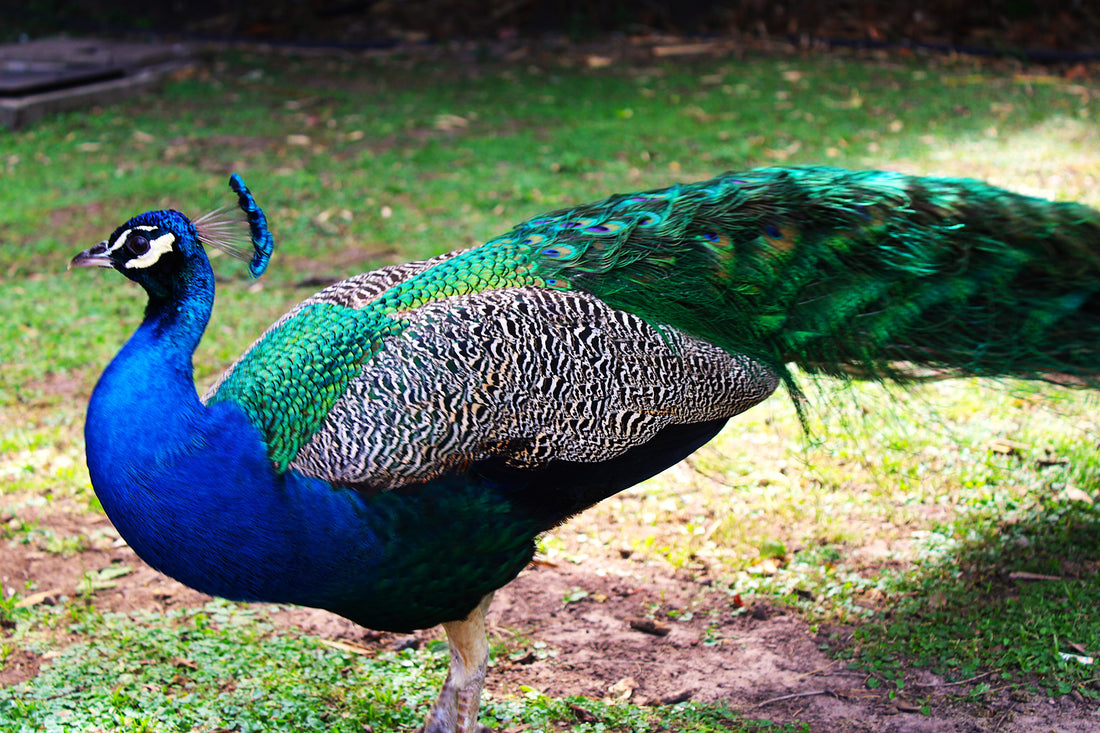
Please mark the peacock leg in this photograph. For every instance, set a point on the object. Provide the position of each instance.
(455, 710)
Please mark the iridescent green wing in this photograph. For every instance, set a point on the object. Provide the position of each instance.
(289, 379)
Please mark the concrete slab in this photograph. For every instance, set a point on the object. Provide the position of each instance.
(54, 74)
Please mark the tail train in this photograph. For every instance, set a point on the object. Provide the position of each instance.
(862, 274)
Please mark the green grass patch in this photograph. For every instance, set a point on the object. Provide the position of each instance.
(223, 667)
(1010, 591)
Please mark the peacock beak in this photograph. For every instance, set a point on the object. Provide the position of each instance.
(93, 257)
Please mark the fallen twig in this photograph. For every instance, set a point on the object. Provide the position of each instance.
(792, 696)
(1021, 575)
(346, 647)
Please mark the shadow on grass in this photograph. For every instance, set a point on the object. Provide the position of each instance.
(1011, 598)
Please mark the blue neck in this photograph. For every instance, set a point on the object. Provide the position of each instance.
(145, 400)
(191, 488)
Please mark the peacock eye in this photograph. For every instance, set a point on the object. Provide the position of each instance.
(137, 244)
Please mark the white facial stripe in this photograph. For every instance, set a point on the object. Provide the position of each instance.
(121, 238)
(157, 247)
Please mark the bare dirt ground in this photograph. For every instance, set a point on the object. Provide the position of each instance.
(764, 662)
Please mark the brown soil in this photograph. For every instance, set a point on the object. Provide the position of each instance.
(759, 659)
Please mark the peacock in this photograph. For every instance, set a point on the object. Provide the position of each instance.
(392, 447)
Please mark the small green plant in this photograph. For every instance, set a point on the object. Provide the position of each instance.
(575, 596)
(7, 608)
(64, 545)
(18, 530)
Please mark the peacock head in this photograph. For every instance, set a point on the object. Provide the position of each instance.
(155, 250)
(159, 250)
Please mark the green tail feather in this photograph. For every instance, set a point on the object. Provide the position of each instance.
(860, 274)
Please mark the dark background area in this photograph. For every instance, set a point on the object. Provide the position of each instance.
(1007, 26)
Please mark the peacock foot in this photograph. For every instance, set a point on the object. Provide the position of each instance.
(456, 708)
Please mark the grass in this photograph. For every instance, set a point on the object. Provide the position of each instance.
(905, 514)
(223, 667)
(961, 616)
